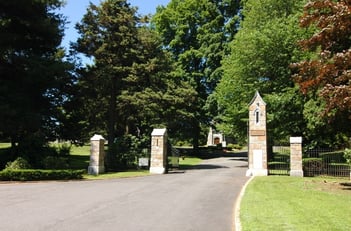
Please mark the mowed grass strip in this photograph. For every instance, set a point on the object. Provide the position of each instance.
(115, 175)
(291, 203)
(5, 145)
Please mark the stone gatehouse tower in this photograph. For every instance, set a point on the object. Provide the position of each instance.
(257, 152)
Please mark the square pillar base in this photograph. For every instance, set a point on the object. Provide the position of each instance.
(96, 170)
(257, 172)
(298, 173)
(157, 170)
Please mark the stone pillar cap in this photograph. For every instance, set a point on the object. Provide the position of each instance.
(296, 140)
(97, 137)
(159, 132)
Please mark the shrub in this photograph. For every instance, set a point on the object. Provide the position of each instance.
(128, 149)
(333, 157)
(312, 166)
(278, 165)
(64, 149)
(180, 143)
(19, 163)
(38, 174)
(55, 162)
(234, 146)
(347, 155)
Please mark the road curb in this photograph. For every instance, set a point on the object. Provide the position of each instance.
(237, 224)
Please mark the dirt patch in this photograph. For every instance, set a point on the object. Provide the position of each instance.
(330, 185)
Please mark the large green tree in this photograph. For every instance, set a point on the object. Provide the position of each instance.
(33, 77)
(196, 32)
(108, 35)
(130, 88)
(261, 53)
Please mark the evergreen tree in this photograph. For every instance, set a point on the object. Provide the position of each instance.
(130, 88)
(33, 77)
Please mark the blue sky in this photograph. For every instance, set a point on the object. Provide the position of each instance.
(75, 9)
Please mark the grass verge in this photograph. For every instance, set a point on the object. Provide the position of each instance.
(188, 162)
(114, 175)
(290, 203)
(5, 145)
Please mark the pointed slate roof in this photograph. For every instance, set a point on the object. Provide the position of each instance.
(257, 97)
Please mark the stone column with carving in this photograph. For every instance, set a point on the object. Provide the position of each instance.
(257, 152)
(97, 155)
(158, 161)
(296, 156)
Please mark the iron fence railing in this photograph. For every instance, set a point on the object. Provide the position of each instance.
(279, 160)
(172, 157)
(322, 161)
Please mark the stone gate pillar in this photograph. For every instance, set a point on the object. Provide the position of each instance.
(97, 155)
(296, 156)
(158, 161)
(257, 152)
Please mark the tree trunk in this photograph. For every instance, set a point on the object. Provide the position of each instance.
(196, 136)
(111, 159)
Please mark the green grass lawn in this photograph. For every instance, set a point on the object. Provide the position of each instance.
(5, 145)
(188, 162)
(113, 175)
(79, 157)
(80, 150)
(292, 203)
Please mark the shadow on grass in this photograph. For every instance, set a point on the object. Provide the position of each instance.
(347, 185)
(5, 156)
(78, 162)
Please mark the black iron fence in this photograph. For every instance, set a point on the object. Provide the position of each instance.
(172, 157)
(321, 161)
(279, 160)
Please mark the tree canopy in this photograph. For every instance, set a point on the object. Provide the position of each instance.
(34, 77)
(197, 33)
(195, 62)
(324, 77)
(328, 73)
(131, 86)
(260, 56)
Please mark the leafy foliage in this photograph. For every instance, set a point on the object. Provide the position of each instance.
(324, 77)
(131, 87)
(197, 33)
(347, 155)
(38, 174)
(19, 163)
(328, 72)
(261, 53)
(55, 162)
(34, 77)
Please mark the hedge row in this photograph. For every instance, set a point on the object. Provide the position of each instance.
(336, 157)
(39, 174)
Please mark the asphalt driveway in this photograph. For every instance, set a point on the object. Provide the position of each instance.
(199, 199)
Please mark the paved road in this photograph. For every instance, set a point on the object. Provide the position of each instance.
(200, 199)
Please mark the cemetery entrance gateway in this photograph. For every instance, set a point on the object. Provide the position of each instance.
(278, 160)
(257, 152)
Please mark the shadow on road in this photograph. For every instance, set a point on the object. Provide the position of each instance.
(210, 153)
(201, 167)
